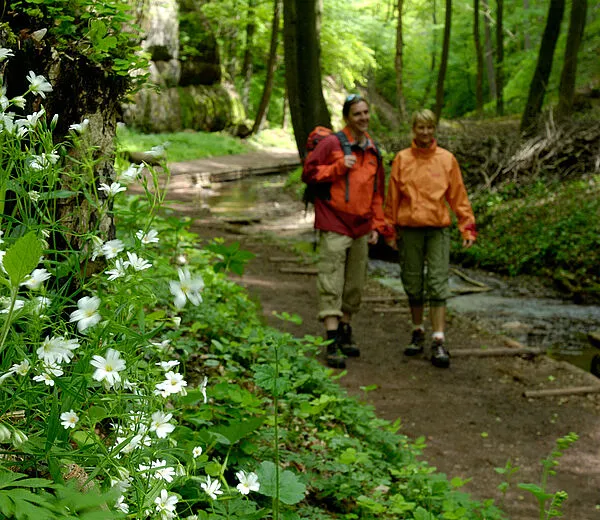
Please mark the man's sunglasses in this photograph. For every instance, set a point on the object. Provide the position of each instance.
(353, 97)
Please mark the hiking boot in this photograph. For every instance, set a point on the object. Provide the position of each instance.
(346, 341)
(440, 357)
(416, 343)
(334, 357)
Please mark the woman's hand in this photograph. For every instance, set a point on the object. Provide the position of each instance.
(373, 237)
(468, 242)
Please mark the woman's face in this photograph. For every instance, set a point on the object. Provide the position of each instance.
(424, 133)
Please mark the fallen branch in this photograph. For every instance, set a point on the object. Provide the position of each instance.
(466, 278)
(574, 390)
(286, 259)
(497, 352)
(298, 270)
(392, 310)
(469, 290)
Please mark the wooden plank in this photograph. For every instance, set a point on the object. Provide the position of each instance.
(298, 270)
(384, 299)
(496, 352)
(286, 259)
(573, 390)
(392, 310)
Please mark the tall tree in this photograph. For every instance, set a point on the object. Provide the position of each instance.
(569, 71)
(246, 71)
(439, 95)
(399, 65)
(489, 49)
(539, 83)
(479, 60)
(500, 58)
(302, 69)
(268, 88)
(427, 88)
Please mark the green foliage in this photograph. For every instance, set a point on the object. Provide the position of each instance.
(543, 228)
(181, 146)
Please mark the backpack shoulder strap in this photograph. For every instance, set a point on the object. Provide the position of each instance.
(343, 139)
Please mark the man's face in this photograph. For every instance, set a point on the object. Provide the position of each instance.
(358, 118)
(423, 133)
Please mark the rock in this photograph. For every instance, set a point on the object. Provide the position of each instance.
(594, 338)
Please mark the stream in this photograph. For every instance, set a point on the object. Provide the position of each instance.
(522, 308)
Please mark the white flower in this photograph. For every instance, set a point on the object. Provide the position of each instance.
(113, 189)
(147, 238)
(123, 480)
(19, 304)
(139, 264)
(69, 419)
(212, 487)
(22, 368)
(165, 504)
(121, 505)
(40, 303)
(163, 472)
(161, 345)
(167, 365)
(158, 150)
(108, 368)
(47, 376)
(5, 53)
(186, 288)
(161, 425)
(57, 349)
(112, 248)
(197, 451)
(43, 161)
(247, 483)
(31, 120)
(18, 101)
(80, 127)
(173, 384)
(34, 196)
(203, 389)
(86, 315)
(35, 280)
(117, 271)
(131, 173)
(39, 85)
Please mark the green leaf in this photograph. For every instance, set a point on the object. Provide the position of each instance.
(22, 258)
(291, 490)
(535, 490)
(236, 431)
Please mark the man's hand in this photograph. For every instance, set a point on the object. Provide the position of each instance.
(373, 237)
(349, 160)
(468, 242)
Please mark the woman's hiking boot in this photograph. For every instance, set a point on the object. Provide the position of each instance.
(440, 357)
(346, 341)
(416, 343)
(334, 356)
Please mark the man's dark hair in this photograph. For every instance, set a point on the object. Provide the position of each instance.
(352, 99)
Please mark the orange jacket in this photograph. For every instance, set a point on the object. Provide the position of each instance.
(360, 209)
(422, 181)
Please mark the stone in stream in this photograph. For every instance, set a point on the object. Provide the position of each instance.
(594, 338)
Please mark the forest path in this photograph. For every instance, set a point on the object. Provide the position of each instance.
(474, 415)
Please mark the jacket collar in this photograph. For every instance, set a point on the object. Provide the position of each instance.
(352, 141)
(424, 152)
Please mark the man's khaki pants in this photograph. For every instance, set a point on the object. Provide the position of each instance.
(342, 273)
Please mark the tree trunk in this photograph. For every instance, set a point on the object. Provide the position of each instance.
(246, 71)
(569, 71)
(479, 59)
(527, 41)
(303, 71)
(439, 96)
(266, 95)
(400, 101)
(489, 49)
(427, 89)
(500, 58)
(539, 83)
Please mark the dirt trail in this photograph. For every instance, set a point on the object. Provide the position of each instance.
(473, 415)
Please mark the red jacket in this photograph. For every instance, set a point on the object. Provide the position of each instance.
(361, 211)
(423, 183)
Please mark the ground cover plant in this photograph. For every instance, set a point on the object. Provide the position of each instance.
(138, 381)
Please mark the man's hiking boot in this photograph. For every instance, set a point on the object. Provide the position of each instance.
(440, 357)
(346, 341)
(416, 343)
(334, 357)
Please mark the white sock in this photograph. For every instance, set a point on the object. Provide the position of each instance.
(438, 336)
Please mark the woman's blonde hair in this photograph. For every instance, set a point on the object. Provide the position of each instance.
(423, 116)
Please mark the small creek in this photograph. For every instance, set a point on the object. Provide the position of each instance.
(522, 308)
